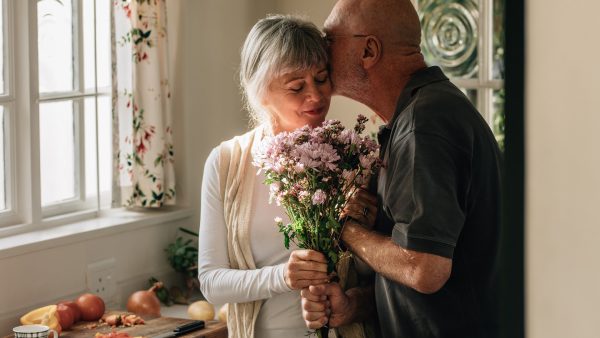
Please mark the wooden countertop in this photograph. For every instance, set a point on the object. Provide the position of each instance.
(152, 327)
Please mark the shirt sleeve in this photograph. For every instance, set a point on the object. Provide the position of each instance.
(218, 282)
(428, 180)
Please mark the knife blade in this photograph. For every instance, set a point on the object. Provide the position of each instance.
(182, 329)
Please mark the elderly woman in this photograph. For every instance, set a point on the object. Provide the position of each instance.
(242, 260)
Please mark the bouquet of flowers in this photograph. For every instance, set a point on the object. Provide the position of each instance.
(312, 172)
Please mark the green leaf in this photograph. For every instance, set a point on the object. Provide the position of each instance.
(156, 196)
(286, 240)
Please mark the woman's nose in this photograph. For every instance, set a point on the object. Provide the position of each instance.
(314, 93)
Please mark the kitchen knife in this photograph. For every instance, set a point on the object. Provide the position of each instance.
(182, 329)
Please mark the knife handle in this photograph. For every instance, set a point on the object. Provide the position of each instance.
(195, 325)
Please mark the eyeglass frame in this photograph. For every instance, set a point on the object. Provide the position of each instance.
(329, 39)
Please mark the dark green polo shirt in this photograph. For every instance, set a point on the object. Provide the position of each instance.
(440, 194)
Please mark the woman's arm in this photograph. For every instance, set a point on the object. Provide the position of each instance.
(218, 282)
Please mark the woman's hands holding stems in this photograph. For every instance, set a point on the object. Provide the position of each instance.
(304, 268)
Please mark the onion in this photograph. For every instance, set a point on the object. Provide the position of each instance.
(65, 316)
(91, 307)
(74, 309)
(145, 302)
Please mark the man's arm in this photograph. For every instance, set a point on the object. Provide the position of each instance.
(426, 273)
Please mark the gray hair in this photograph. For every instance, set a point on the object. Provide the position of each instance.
(274, 45)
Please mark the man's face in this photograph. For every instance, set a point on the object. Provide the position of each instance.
(344, 46)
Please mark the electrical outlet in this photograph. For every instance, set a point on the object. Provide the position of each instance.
(101, 279)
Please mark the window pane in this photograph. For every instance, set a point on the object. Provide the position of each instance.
(2, 33)
(102, 39)
(103, 42)
(498, 122)
(498, 39)
(450, 31)
(57, 151)
(88, 45)
(3, 161)
(56, 45)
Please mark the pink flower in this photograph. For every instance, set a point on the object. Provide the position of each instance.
(319, 197)
(304, 196)
(299, 168)
(366, 161)
(275, 187)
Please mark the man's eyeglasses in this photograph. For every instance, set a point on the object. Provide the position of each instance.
(330, 39)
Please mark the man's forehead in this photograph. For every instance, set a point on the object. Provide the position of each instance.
(341, 16)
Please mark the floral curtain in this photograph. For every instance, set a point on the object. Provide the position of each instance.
(142, 134)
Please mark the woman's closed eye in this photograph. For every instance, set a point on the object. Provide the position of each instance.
(296, 87)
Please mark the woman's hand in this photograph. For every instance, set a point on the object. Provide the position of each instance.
(304, 268)
(362, 207)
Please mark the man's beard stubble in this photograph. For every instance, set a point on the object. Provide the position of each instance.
(354, 84)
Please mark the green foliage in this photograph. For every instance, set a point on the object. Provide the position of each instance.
(183, 253)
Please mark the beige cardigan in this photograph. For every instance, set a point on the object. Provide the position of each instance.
(237, 177)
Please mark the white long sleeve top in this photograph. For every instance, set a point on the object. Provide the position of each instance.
(280, 315)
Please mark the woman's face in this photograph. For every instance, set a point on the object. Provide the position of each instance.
(299, 98)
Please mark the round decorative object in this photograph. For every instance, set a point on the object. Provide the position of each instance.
(450, 36)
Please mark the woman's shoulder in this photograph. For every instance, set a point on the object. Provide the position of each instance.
(241, 140)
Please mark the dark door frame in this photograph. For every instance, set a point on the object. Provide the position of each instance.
(512, 276)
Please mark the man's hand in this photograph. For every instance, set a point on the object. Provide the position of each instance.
(362, 206)
(319, 300)
(304, 268)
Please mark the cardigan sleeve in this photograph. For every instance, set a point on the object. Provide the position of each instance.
(218, 282)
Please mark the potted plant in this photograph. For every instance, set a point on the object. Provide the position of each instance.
(183, 257)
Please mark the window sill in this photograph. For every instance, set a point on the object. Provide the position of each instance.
(104, 224)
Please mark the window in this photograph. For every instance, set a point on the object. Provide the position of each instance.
(55, 105)
(466, 39)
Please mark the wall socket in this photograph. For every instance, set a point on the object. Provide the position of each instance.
(100, 280)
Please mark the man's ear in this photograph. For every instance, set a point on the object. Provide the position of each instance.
(371, 51)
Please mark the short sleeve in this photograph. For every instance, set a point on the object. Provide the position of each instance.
(427, 183)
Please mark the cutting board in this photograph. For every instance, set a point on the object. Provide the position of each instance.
(152, 327)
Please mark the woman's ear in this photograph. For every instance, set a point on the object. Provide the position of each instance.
(371, 52)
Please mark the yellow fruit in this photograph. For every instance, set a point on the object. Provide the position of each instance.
(46, 315)
(201, 310)
(223, 313)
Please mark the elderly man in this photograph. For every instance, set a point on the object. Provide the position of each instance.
(435, 240)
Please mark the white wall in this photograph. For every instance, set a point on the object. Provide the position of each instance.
(562, 168)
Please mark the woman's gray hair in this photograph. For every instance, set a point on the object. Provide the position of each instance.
(276, 44)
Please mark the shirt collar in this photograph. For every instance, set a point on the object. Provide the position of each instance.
(419, 79)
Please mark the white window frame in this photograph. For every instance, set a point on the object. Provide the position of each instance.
(24, 211)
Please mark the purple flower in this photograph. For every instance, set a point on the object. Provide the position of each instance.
(366, 161)
(319, 197)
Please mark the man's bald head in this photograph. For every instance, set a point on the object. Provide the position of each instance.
(395, 22)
